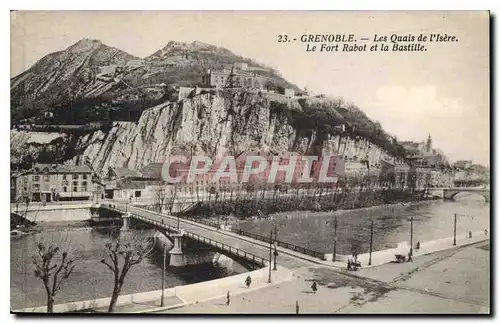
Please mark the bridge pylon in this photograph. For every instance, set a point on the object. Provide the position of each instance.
(176, 255)
(126, 221)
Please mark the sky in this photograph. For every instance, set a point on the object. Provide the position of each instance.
(443, 91)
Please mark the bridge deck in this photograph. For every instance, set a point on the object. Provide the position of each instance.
(195, 231)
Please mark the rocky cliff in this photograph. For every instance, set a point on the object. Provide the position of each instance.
(212, 124)
(226, 122)
(217, 123)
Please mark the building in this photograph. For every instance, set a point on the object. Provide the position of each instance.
(135, 63)
(289, 93)
(234, 78)
(463, 164)
(422, 154)
(54, 182)
(355, 168)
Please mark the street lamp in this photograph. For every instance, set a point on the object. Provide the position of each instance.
(411, 235)
(371, 243)
(178, 217)
(275, 245)
(334, 238)
(270, 252)
(163, 275)
(455, 230)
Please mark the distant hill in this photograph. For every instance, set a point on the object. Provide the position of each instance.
(90, 75)
(62, 76)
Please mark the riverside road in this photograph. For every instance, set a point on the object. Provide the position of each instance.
(455, 281)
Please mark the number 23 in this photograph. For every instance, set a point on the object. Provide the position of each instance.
(282, 38)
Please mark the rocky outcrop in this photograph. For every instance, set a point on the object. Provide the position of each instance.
(211, 124)
(228, 123)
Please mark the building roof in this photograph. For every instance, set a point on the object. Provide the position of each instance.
(125, 173)
(59, 168)
(152, 171)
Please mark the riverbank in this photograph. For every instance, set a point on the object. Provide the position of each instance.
(264, 202)
(346, 212)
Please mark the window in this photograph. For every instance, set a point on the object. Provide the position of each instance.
(137, 193)
(65, 189)
(84, 186)
(64, 176)
(46, 178)
(36, 187)
(75, 189)
(75, 176)
(84, 177)
(36, 178)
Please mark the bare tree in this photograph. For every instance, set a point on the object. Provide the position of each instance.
(172, 195)
(122, 253)
(53, 264)
(161, 194)
(165, 195)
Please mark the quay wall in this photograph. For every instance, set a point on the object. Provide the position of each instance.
(56, 213)
(187, 293)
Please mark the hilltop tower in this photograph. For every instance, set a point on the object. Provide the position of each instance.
(428, 146)
(232, 80)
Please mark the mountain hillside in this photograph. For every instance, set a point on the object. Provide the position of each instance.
(119, 110)
(90, 76)
(63, 75)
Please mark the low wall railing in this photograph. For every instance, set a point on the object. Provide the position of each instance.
(225, 247)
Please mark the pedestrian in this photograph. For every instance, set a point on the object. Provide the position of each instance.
(418, 246)
(314, 287)
(228, 298)
(296, 307)
(470, 234)
(486, 232)
(349, 266)
(410, 254)
(248, 281)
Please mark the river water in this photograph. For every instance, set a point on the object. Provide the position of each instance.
(92, 279)
(391, 224)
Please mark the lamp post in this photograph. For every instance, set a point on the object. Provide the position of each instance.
(334, 238)
(275, 245)
(371, 243)
(163, 276)
(178, 220)
(411, 235)
(270, 252)
(455, 230)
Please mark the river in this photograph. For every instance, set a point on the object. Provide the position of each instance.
(391, 224)
(92, 279)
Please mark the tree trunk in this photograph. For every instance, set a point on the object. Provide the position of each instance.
(114, 298)
(50, 304)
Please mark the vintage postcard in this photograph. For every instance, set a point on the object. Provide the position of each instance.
(256, 162)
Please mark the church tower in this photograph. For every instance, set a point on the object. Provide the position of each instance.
(429, 143)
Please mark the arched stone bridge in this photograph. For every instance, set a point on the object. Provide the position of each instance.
(450, 193)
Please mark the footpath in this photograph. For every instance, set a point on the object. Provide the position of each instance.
(452, 281)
